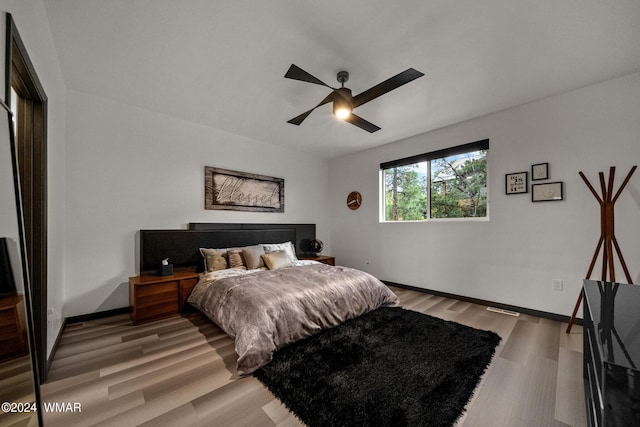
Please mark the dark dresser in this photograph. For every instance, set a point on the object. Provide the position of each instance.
(612, 353)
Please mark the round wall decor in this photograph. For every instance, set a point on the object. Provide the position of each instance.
(354, 200)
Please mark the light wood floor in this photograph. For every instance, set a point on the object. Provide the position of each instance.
(181, 372)
(16, 386)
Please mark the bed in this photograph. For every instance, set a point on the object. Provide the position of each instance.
(263, 295)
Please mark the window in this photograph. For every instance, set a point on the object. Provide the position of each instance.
(450, 183)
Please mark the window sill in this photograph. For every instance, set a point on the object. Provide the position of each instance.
(483, 219)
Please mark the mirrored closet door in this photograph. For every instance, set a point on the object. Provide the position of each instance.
(19, 391)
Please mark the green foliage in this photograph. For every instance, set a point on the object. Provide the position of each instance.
(465, 182)
(411, 194)
(444, 207)
(458, 189)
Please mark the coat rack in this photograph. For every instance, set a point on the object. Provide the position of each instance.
(607, 232)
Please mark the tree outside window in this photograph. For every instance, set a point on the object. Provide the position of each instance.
(453, 186)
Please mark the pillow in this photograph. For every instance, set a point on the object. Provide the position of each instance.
(277, 259)
(235, 258)
(214, 259)
(217, 262)
(287, 247)
(253, 256)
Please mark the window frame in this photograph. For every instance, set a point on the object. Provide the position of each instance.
(428, 157)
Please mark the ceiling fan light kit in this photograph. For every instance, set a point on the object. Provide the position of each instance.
(341, 111)
(342, 107)
(343, 101)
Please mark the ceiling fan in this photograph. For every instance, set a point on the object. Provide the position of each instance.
(343, 101)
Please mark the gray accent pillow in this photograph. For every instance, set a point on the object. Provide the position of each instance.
(253, 256)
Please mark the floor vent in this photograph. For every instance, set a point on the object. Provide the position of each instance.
(503, 311)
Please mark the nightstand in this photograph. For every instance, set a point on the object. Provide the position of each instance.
(13, 331)
(325, 259)
(158, 297)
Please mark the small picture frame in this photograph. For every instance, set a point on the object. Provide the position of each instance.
(539, 171)
(547, 192)
(516, 183)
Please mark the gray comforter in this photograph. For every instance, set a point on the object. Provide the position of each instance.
(266, 310)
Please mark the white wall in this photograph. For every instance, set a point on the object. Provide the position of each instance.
(33, 26)
(513, 257)
(130, 169)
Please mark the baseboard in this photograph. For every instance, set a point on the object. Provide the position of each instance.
(529, 311)
(78, 319)
(99, 315)
(55, 347)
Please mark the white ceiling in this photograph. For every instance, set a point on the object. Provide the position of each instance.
(221, 63)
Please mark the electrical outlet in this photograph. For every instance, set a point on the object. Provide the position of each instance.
(366, 260)
(50, 312)
(557, 284)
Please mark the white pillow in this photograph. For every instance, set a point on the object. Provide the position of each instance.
(287, 247)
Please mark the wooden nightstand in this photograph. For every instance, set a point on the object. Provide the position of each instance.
(325, 259)
(13, 331)
(158, 297)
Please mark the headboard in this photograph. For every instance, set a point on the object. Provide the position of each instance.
(182, 247)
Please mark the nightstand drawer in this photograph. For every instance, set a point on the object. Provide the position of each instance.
(158, 297)
(156, 301)
(9, 332)
(13, 342)
(158, 292)
(8, 329)
(155, 312)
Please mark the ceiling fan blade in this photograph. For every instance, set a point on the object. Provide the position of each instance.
(297, 73)
(362, 123)
(386, 86)
(299, 119)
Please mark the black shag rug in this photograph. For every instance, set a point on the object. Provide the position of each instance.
(390, 367)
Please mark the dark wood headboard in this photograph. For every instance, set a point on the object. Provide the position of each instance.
(182, 247)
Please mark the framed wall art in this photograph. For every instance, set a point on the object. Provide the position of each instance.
(547, 192)
(539, 171)
(516, 183)
(225, 189)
